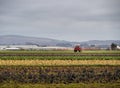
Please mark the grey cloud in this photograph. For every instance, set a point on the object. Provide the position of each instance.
(76, 10)
(50, 18)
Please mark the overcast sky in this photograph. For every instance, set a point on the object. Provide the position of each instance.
(72, 20)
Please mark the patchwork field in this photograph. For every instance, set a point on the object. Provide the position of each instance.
(59, 55)
(63, 69)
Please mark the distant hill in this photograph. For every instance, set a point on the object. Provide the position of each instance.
(24, 40)
(101, 42)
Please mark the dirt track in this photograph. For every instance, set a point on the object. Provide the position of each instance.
(59, 62)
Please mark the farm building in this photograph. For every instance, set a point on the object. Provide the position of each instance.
(33, 47)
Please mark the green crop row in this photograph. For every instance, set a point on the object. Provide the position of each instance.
(59, 58)
(71, 85)
(60, 52)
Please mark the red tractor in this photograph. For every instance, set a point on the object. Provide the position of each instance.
(77, 48)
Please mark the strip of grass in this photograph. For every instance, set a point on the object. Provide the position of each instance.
(59, 58)
(62, 51)
(72, 85)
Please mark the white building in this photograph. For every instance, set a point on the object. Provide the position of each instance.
(33, 47)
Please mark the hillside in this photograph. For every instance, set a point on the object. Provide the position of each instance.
(24, 40)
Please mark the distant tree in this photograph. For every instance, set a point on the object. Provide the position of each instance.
(113, 46)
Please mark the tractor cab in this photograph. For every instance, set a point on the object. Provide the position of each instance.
(77, 48)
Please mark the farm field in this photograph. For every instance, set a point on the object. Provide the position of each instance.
(60, 69)
(60, 74)
(57, 58)
(60, 51)
(59, 55)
